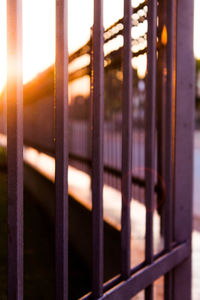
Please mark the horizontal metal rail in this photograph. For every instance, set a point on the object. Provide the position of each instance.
(145, 276)
(135, 9)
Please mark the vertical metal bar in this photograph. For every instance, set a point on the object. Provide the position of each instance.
(126, 140)
(169, 141)
(97, 155)
(4, 112)
(185, 86)
(133, 156)
(89, 136)
(15, 149)
(139, 146)
(161, 104)
(61, 94)
(150, 133)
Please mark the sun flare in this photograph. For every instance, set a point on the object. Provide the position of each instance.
(39, 31)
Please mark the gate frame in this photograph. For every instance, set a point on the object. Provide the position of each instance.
(175, 260)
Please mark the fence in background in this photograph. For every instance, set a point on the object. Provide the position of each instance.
(80, 66)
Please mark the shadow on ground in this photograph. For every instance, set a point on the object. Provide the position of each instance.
(39, 262)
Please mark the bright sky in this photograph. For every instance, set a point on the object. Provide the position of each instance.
(196, 28)
(39, 31)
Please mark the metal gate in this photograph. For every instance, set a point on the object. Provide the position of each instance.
(170, 73)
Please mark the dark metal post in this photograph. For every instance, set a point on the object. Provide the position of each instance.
(97, 150)
(185, 83)
(61, 80)
(150, 134)
(15, 149)
(169, 135)
(90, 108)
(126, 140)
(161, 105)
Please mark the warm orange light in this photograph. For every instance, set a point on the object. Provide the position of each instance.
(39, 31)
(164, 36)
(2, 43)
(140, 64)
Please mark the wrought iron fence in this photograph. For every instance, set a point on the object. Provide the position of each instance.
(170, 69)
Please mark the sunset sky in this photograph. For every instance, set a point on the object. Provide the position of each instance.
(39, 31)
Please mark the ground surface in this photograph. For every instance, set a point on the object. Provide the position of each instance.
(39, 271)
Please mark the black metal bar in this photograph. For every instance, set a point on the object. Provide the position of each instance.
(61, 80)
(184, 111)
(150, 134)
(97, 150)
(126, 141)
(169, 141)
(161, 105)
(146, 276)
(15, 149)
